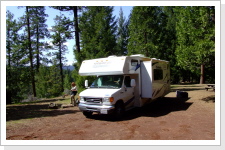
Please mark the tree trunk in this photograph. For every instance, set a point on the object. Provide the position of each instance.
(61, 65)
(202, 79)
(30, 53)
(8, 97)
(37, 45)
(38, 52)
(77, 40)
(8, 92)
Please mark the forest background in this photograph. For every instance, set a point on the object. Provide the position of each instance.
(183, 35)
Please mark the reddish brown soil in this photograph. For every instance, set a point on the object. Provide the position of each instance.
(166, 119)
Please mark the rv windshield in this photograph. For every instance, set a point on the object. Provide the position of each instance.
(110, 81)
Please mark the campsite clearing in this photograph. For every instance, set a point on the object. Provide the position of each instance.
(168, 118)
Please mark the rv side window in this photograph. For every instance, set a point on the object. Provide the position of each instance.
(134, 62)
(158, 74)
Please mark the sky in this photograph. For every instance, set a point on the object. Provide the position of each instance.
(18, 12)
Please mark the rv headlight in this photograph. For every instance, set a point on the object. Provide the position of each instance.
(81, 99)
(108, 99)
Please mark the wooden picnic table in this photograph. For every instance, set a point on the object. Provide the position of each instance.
(210, 86)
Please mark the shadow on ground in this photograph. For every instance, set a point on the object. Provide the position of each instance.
(209, 99)
(186, 89)
(33, 111)
(160, 107)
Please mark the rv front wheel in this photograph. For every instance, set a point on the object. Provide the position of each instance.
(119, 110)
(87, 114)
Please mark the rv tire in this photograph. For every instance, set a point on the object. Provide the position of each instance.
(87, 114)
(119, 110)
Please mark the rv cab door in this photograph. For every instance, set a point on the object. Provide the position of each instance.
(128, 92)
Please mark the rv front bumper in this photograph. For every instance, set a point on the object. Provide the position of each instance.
(102, 109)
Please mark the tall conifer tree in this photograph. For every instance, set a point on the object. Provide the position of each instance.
(98, 31)
(39, 32)
(144, 31)
(30, 50)
(122, 34)
(61, 32)
(98, 36)
(196, 38)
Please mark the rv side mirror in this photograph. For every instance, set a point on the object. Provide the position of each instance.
(132, 83)
(86, 83)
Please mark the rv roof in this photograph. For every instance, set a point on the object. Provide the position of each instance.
(159, 59)
(112, 56)
(139, 55)
(110, 65)
(103, 66)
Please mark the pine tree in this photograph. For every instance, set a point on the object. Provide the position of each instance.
(196, 38)
(54, 85)
(30, 50)
(43, 77)
(62, 32)
(39, 32)
(18, 75)
(168, 40)
(11, 34)
(98, 28)
(144, 31)
(122, 34)
(35, 30)
(75, 10)
(98, 37)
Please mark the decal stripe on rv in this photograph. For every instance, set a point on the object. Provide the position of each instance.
(129, 101)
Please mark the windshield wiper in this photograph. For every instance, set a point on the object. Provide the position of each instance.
(94, 86)
(114, 87)
(110, 87)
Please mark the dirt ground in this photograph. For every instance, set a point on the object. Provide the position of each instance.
(166, 119)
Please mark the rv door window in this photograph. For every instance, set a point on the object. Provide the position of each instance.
(111, 81)
(158, 74)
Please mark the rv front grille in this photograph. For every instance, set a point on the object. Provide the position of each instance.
(92, 100)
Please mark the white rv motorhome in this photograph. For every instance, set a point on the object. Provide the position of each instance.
(122, 83)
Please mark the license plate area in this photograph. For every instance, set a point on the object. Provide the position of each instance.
(104, 111)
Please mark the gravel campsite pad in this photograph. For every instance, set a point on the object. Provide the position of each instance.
(168, 118)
